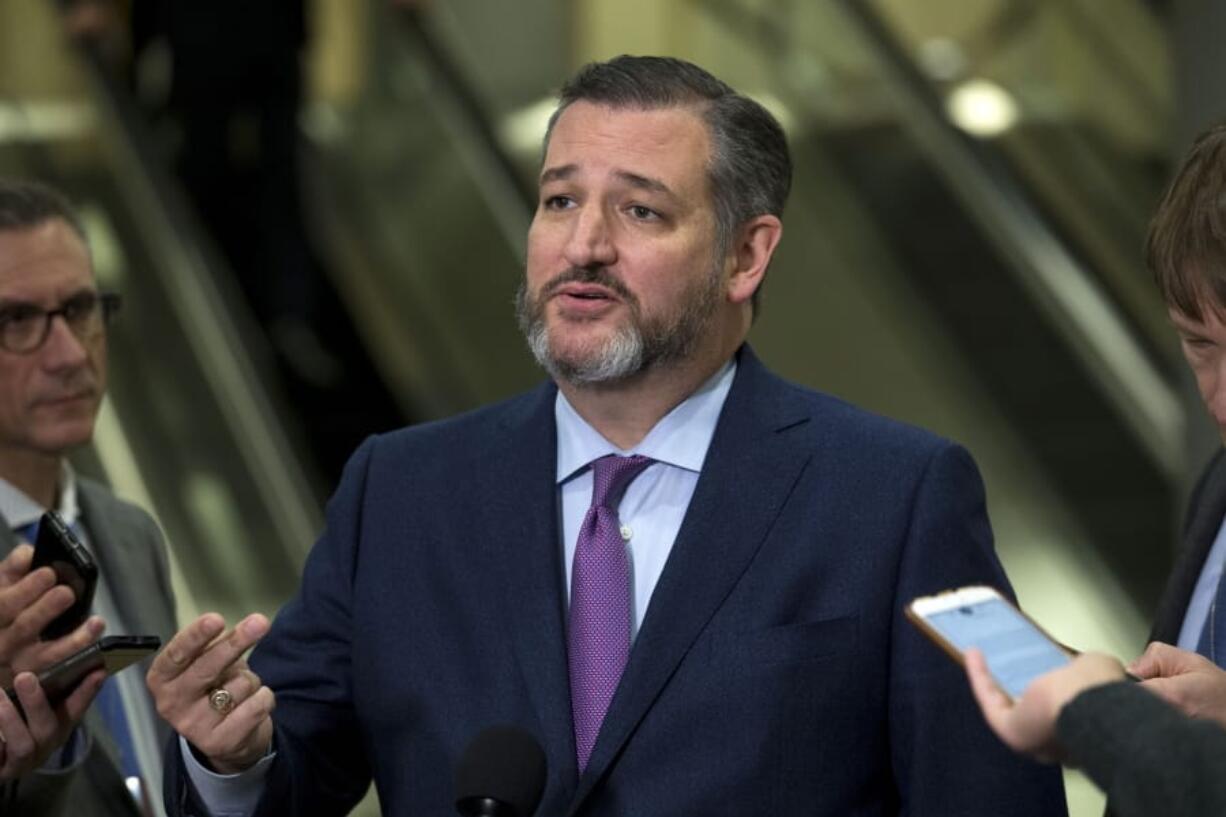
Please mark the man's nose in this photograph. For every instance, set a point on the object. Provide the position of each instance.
(63, 348)
(591, 240)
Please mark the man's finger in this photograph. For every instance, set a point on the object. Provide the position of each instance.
(992, 701)
(1162, 660)
(242, 724)
(18, 744)
(25, 629)
(21, 595)
(73, 707)
(16, 565)
(187, 645)
(55, 651)
(39, 714)
(219, 657)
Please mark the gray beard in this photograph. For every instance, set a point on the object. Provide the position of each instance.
(635, 347)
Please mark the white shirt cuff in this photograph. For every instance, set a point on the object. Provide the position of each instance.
(226, 795)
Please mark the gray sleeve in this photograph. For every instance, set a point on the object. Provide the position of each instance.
(1146, 756)
(57, 792)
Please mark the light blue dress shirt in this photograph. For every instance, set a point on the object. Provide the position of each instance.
(1202, 596)
(651, 511)
(654, 505)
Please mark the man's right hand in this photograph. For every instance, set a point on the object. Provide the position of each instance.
(29, 601)
(1028, 725)
(200, 661)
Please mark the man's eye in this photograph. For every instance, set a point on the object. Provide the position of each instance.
(20, 314)
(643, 213)
(79, 306)
(558, 202)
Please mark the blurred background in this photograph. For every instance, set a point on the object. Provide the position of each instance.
(316, 211)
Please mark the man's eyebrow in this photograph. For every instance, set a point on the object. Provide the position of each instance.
(18, 303)
(563, 172)
(1184, 322)
(645, 183)
(556, 174)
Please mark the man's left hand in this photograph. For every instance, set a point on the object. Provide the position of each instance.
(26, 742)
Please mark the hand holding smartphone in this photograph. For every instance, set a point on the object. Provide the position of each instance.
(111, 653)
(1016, 649)
(57, 547)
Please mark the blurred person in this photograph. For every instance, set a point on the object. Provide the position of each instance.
(75, 760)
(683, 574)
(1186, 252)
(1147, 756)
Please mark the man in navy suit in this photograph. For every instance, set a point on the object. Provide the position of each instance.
(739, 649)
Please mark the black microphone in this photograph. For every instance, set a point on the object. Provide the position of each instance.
(500, 774)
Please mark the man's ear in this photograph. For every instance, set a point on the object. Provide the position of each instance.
(750, 255)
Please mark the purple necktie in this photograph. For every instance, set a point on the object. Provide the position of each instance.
(600, 601)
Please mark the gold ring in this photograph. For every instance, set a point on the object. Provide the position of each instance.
(220, 700)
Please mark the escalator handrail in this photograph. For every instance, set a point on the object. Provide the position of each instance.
(511, 199)
(1074, 300)
(206, 317)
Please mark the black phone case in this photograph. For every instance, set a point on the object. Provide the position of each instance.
(57, 547)
(113, 652)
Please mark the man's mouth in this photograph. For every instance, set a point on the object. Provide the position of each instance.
(65, 399)
(584, 292)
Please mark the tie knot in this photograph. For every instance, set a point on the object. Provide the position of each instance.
(611, 476)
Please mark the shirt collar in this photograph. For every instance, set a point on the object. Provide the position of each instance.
(681, 438)
(19, 510)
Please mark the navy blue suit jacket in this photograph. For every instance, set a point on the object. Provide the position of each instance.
(774, 673)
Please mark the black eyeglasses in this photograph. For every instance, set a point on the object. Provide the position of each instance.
(24, 328)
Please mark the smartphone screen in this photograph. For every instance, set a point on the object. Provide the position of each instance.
(1017, 652)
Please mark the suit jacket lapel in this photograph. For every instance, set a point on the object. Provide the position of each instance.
(1207, 508)
(520, 481)
(8, 540)
(749, 471)
(111, 551)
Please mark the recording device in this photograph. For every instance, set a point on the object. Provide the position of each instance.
(111, 653)
(57, 547)
(500, 774)
(1016, 649)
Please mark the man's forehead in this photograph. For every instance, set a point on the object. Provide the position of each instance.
(49, 255)
(1212, 314)
(649, 148)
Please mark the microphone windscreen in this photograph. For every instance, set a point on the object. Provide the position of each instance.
(504, 764)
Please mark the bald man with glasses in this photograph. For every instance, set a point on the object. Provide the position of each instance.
(97, 754)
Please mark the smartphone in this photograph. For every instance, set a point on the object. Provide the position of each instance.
(57, 547)
(1017, 650)
(112, 653)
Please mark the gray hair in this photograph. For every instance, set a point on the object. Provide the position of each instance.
(25, 204)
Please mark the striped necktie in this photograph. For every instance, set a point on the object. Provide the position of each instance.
(1212, 642)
